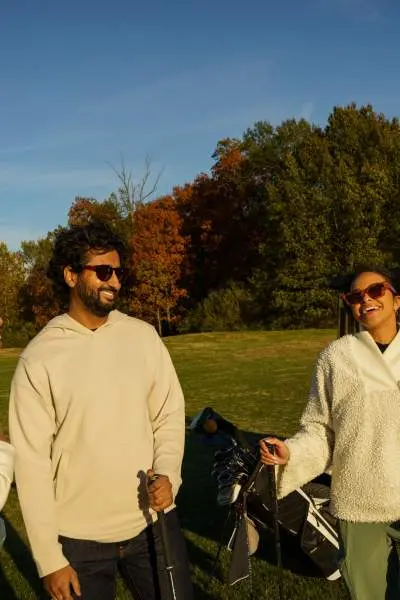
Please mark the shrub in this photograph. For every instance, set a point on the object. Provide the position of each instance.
(226, 309)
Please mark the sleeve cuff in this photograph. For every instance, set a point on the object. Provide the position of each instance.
(54, 561)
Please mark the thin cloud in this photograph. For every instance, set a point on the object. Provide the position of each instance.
(364, 10)
(30, 178)
(204, 82)
(51, 142)
(230, 121)
(12, 235)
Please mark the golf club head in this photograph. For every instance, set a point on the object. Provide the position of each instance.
(223, 454)
(228, 494)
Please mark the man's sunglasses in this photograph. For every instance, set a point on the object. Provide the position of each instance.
(374, 291)
(105, 272)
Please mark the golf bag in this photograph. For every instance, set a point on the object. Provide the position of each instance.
(248, 488)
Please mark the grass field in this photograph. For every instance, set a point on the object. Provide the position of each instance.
(258, 380)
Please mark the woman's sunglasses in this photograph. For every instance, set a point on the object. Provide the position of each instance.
(374, 291)
(105, 272)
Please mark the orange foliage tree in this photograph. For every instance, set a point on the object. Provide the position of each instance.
(37, 298)
(86, 210)
(158, 254)
(222, 222)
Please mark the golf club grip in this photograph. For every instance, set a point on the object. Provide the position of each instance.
(165, 539)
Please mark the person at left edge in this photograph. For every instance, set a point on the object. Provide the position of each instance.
(95, 407)
(6, 477)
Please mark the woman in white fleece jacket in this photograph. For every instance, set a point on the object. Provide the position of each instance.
(6, 477)
(352, 425)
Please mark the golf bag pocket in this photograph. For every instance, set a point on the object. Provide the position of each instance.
(319, 541)
(292, 509)
(252, 534)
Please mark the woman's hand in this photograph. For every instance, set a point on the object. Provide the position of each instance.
(281, 455)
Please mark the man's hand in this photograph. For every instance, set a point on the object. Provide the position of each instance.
(58, 584)
(159, 491)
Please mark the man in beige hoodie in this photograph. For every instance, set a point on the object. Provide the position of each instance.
(95, 410)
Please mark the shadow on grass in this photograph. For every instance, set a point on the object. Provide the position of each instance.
(7, 593)
(22, 559)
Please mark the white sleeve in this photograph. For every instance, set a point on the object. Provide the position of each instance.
(6, 470)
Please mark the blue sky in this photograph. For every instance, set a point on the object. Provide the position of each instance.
(84, 83)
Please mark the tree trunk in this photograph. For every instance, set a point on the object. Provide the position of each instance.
(159, 322)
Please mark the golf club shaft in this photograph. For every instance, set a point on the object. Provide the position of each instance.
(169, 566)
(277, 533)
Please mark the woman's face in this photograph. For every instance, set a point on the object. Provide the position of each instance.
(374, 313)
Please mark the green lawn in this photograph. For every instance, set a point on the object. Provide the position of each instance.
(259, 380)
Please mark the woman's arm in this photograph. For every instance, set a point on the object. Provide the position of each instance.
(309, 452)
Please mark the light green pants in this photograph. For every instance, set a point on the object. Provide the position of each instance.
(369, 561)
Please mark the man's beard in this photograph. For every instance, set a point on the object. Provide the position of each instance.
(92, 300)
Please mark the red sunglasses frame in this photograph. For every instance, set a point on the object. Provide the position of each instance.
(384, 285)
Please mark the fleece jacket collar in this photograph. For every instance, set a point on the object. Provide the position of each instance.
(378, 370)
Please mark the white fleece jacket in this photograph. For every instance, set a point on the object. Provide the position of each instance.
(352, 424)
(90, 412)
(6, 470)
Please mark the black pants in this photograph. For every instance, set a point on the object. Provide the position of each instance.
(140, 561)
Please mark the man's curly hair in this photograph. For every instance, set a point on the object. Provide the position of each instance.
(71, 249)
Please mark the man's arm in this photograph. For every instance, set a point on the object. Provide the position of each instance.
(32, 428)
(167, 415)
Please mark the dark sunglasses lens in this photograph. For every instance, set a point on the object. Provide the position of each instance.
(119, 271)
(104, 272)
(354, 297)
(376, 290)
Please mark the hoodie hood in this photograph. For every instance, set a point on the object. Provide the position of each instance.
(63, 327)
(65, 323)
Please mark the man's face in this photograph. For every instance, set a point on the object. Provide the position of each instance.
(98, 296)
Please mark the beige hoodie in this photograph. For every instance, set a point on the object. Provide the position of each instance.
(90, 412)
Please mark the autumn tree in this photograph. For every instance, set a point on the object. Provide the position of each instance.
(37, 299)
(11, 278)
(158, 254)
(16, 331)
(221, 221)
(84, 210)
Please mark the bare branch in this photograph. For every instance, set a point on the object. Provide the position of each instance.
(130, 194)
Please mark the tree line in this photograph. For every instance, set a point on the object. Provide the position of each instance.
(253, 243)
